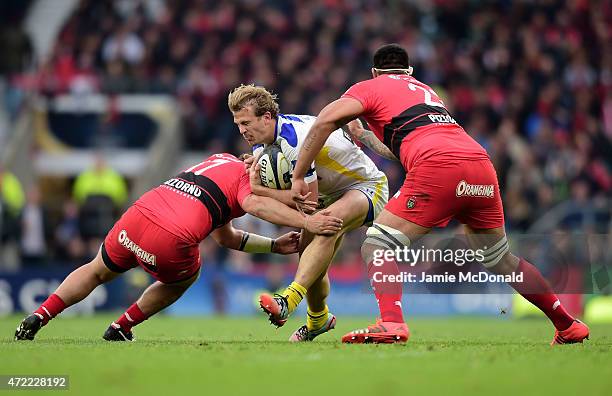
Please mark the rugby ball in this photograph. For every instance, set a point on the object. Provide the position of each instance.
(275, 169)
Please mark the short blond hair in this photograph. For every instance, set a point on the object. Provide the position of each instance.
(259, 98)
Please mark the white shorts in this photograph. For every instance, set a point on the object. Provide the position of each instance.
(377, 192)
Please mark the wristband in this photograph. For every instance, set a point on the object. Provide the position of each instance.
(253, 243)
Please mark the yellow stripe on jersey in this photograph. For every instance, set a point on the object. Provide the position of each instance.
(323, 159)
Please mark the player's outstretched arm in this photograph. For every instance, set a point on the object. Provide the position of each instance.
(227, 236)
(287, 243)
(283, 196)
(333, 116)
(368, 138)
(232, 238)
(278, 213)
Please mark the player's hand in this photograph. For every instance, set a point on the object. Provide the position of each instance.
(355, 128)
(248, 161)
(287, 244)
(307, 207)
(299, 192)
(254, 175)
(322, 223)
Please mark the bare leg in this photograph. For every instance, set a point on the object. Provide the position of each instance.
(77, 285)
(157, 297)
(352, 208)
(82, 281)
(389, 295)
(534, 287)
(161, 295)
(478, 238)
(317, 293)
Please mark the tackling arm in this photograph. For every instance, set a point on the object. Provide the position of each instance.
(369, 139)
(228, 236)
(278, 213)
(333, 116)
(232, 238)
(283, 196)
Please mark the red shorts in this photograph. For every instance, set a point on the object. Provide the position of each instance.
(436, 192)
(135, 241)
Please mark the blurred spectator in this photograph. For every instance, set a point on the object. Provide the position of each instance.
(33, 222)
(12, 200)
(15, 43)
(70, 246)
(100, 193)
(123, 45)
(100, 180)
(16, 57)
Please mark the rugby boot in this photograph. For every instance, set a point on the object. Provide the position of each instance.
(303, 334)
(28, 328)
(577, 332)
(116, 333)
(379, 333)
(275, 307)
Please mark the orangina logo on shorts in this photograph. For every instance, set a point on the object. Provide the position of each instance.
(464, 189)
(134, 248)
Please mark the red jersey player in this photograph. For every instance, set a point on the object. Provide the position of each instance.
(448, 175)
(161, 233)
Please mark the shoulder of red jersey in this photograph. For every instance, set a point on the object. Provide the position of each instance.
(227, 156)
(357, 87)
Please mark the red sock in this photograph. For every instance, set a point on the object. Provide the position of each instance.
(131, 318)
(388, 294)
(537, 291)
(50, 308)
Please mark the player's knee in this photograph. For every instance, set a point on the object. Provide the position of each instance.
(194, 278)
(182, 286)
(497, 258)
(99, 272)
(326, 240)
(382, 237)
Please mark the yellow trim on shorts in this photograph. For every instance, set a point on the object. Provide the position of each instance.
(378, 192)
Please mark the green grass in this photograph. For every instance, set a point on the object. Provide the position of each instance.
(246, 356)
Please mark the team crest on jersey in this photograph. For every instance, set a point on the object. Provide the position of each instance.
(464, 189)
(411, 203)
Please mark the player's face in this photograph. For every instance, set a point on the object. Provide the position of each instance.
(255, 130)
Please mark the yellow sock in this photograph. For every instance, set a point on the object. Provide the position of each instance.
(294, 293)
(316, 320)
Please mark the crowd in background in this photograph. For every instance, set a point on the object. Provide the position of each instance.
(531, 81)
(72, 236)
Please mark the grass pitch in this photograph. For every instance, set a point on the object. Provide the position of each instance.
(246, 356)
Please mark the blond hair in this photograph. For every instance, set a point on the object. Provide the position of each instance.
(259, 98)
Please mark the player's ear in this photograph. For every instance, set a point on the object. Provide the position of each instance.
(268, 119)
(374, 73)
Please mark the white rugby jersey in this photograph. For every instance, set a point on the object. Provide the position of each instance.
(339, 165)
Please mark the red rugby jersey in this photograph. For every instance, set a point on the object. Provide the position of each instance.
(199, 199)
(409, 118)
